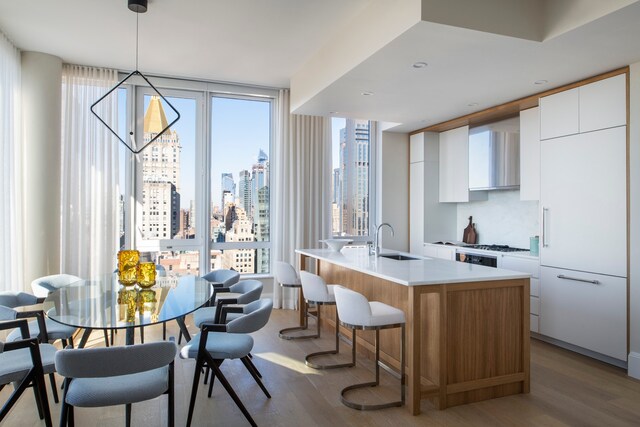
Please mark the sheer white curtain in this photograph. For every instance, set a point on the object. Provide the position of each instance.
(11, 237)
(302, 186)
(90, 206)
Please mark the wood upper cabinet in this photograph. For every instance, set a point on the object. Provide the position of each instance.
(530, 154)
(559, 114)
(603, 104)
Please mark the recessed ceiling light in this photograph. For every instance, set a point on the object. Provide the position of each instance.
(540, 82)
(333, 112)
(419, 64)
(367, 93)
(472, 104)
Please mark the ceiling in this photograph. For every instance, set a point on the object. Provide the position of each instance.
(476, 58)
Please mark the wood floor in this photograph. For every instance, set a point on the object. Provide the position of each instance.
(566, 390)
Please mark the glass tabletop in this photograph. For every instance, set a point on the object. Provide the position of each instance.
(104, 303)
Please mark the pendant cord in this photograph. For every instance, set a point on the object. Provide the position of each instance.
(137, 41)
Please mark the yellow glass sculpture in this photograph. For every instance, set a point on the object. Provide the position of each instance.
(128, 298)
(127, 267)
(146, 274)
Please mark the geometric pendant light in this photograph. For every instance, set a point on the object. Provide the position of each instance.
(137, 6)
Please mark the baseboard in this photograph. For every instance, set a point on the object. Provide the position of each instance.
(634, 365)
(589, 353)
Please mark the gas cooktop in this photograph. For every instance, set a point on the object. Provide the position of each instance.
(497, 248)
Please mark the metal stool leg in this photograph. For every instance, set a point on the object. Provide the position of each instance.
(363, 407)
(283, 333)
(336, 351)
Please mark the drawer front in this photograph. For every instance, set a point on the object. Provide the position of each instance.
(534, 323)
(535, 288)
(534, 305)
(589, 315)
(531, 266)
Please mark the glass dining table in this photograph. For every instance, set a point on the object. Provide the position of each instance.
(103, 303)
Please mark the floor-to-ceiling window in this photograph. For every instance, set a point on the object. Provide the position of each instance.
(240, 184)
(198, 197)
(352, 169)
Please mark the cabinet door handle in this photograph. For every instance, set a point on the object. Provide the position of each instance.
(544, 227)
(593, 282)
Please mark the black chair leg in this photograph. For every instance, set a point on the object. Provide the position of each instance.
(64, 409)
(164, 331)
(171, 403)
(246, 362)
(54, 387)
(223, 380)
(194, 389)
(254, 366)
(142, 334)
(64, 343)
(71, 341)
(218, 363)
(127, 415)
(72, 420)
(36, 395)
(106, 338)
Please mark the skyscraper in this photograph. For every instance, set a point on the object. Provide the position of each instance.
(244, 190)
(228, 187)
(354, 169)
(160, 176)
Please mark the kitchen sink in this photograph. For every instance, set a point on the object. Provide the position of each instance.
(398, 257)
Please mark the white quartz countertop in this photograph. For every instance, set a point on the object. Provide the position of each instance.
(422, 271)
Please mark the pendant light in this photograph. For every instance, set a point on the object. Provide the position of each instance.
(138, 7)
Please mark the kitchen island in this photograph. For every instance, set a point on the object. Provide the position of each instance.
(467, 325)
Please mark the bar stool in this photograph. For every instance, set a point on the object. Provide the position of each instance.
(317, 291)
(356, 312)
(288, 278)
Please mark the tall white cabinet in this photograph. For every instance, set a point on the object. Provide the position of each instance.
(429, 220)
(583, 201)
(454, 167)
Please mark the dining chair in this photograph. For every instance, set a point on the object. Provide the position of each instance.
(217, 342)
(55, 330)
(23, 363)
(96, 377)
(243, 292)
(221, 278)
(46, 349)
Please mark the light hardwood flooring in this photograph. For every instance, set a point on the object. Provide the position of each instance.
(566, 390)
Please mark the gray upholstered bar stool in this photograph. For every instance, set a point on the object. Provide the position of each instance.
(317, 291)
(288, 278)
(356, 312)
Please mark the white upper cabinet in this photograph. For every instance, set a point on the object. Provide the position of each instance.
(454, 165)
(603, 104)
(530, 154)
(559, 114)
(416, 147)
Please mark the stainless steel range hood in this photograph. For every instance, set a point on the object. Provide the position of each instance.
(494, 156)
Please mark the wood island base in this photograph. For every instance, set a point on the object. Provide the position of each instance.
(466, 342)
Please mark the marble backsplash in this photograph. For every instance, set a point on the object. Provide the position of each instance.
(503, 219)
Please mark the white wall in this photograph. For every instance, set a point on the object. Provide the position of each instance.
(502, 219)
(41, 116)
(394, 195)
(634, 232)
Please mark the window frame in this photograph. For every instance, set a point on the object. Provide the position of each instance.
(133, 178)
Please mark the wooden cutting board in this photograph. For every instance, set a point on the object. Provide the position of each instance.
(469, 234)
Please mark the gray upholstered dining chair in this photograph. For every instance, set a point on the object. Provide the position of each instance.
(43, 285)
(55, 330)
(221, 278)
(47, 350)
(216, 343)
(110, 376)
(24, 363)
(243, 292)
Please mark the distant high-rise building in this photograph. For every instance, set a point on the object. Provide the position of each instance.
(259, 179)
(244, 190)
(354, 170)
(228, 187)
(240, 260)
(160, 176)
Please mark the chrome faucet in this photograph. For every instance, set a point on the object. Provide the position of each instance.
(375, 249)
